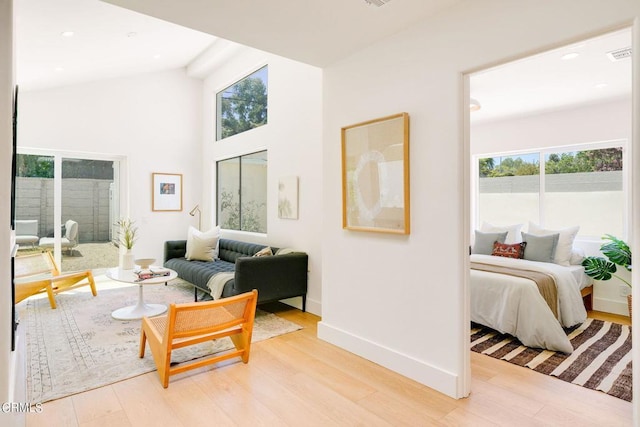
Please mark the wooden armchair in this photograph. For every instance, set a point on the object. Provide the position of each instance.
(38, 273)
(192, 323)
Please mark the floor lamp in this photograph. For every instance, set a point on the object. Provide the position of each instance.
(193, 213)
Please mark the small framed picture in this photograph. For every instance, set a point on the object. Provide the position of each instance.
(166, 193)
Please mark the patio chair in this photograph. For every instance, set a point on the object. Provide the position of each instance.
(38, 273)
(69, 241)
(196, 322)
(27, 231)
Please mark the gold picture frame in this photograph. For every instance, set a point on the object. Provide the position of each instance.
(375, 175)
(166, 192)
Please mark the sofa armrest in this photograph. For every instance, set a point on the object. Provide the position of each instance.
(275, 277)
(174, 249)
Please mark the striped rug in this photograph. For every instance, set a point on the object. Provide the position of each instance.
(601, 359)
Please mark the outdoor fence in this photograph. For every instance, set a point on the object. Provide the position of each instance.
(86, 201)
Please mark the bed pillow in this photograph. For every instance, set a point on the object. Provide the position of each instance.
(202, 246)
(577, 256)
(565, 241)
(509, 251)
(483, 243)
(513, 231)
(540, 248)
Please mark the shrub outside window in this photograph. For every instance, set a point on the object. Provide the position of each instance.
(581, 187)
(242, 192)
(243, 105)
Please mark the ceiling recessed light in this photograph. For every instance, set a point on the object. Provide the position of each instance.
(600, 85)
(58, 69)
(67, 34)
(132, 34)
(157, 56)
(570, 55)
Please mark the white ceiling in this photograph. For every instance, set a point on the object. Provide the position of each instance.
(546, 82)
(108, 42)
(315, 32)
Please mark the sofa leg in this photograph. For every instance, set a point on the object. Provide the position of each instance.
(304, 303)
(195, 294)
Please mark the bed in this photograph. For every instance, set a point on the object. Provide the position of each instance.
(514, 305)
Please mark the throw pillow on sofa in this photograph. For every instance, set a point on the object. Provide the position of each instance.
(202, 246)
(264, 252)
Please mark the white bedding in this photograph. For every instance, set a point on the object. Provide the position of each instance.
(514, 305)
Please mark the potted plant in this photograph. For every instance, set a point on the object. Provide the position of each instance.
(618, 253)
(126, 238)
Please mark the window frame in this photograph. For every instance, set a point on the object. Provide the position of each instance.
(542, 152)
(217, 131)
(217, 187)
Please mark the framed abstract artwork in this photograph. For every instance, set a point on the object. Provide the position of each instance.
(288, 197)
(375, 175)
(166, 193)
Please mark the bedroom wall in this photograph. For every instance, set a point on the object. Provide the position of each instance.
(153, 120)
(400, 300)
(293, 140)
(607, 121)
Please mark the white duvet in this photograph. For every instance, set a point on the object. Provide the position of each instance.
(513, 305)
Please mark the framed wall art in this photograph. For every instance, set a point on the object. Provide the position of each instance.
(375, 175)
(288, 197)
(166, 194)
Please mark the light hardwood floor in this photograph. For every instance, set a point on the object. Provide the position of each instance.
(299, 380)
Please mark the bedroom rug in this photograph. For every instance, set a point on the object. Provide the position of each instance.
(601, 359)
(79, 346)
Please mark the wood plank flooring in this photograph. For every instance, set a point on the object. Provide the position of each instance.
(299, 380)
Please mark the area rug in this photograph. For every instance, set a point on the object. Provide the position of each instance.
(601, 359)
(79, 346)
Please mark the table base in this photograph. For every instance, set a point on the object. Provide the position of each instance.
(138, 311)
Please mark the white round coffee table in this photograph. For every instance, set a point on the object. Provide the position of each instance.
(141, 309)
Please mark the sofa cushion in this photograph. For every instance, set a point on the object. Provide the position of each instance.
(230, 250)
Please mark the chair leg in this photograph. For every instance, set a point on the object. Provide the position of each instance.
(92, 283)
(143, 343)
(52, 299)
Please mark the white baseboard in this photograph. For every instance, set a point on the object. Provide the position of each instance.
(610, 306)
(424, 373)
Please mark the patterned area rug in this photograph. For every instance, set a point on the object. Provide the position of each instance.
(601, 359)
(79, 346)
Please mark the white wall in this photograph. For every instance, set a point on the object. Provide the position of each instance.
(7, 357)
(607, 121)
(154, 120)
(293, 140)
(401, 301)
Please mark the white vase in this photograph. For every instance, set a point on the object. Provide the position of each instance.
(126, 260)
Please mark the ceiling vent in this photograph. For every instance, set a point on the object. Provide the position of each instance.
(619, 54)
(377, 2)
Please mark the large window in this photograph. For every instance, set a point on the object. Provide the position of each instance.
(242, 192)
(557, 188)
(242, 106)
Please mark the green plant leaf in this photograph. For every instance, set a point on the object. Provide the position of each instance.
(617, 251)
(598, 268)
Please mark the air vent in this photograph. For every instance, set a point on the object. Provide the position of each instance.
(377, 2)
(619, 54)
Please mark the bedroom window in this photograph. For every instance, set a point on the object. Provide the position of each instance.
(557, 188)
(509, 188)
(243, 105)
(242, 192)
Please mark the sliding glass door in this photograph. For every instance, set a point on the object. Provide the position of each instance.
(75, 203)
